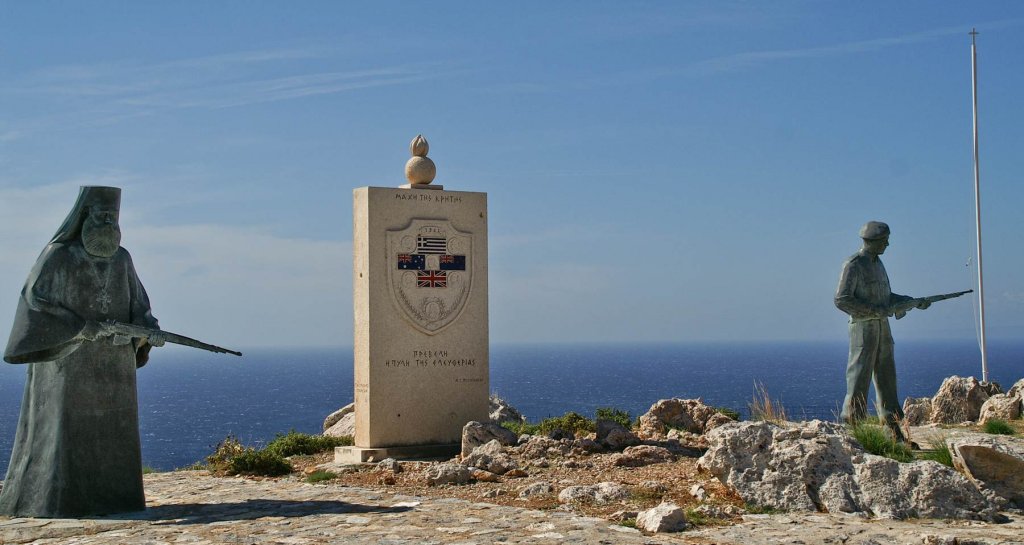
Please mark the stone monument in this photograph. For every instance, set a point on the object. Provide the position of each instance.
(421, 328)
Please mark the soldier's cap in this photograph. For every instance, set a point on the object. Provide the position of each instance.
(874, 230)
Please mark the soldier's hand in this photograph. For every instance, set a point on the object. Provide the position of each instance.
(923, 305)
(156, 339)
(121, 340)
(900, 314)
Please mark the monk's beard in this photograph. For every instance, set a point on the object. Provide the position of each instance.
(101, 241)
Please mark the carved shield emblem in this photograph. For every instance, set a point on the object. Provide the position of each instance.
(430, 272)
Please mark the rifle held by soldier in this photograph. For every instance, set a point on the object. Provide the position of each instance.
(131, 331)
(901, 309)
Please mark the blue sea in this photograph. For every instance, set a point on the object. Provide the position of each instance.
(190, 400)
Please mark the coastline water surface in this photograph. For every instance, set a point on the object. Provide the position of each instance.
(190, 400)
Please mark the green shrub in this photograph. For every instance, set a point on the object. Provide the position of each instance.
(755, 509)
(570, 422)
(731, 413)
(231, 457)
(939, 453)
(319, 476)
(521, 428)
(146, 470)
(259, 462)
(295, 443)
(220, 461)
(876, 440)
(615, 415)
(998, 427)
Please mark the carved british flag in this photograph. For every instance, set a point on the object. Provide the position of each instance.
(432, 279)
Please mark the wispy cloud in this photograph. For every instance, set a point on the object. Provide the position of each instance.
(240, 93)
(749, 59)
(110, 92)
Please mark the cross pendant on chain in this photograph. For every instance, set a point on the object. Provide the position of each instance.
(104, 300)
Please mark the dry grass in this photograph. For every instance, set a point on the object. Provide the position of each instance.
(763, 407)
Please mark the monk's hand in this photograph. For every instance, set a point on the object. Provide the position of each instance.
(156, 339)
(923, 305)
(92, 330)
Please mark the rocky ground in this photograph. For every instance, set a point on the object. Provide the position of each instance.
(194, 507)
(684, 474)
(645, 486)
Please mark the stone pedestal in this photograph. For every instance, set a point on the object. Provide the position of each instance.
(421, 329)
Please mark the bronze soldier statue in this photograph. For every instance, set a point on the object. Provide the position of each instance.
(864, 294)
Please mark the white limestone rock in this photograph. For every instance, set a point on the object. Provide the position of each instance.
(490, 457)
(652, 488)
(1000, 406)
(388, 465)
(1017, 390)
(959, 399)
(643, 455)
(501, 411)
(447, 473)
(817, 466)
(536, 489)
(666, 517)
(615, 436)
(917, 411)
(539, 446)
(342, 422)
(691, 415)
(599, 493)
(334, 417)
(995, 462)
(475, 434)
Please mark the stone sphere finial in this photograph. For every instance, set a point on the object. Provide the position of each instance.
(420, 170)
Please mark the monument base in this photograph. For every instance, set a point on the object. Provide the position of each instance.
(359, 455)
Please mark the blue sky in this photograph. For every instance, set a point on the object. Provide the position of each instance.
(675, 171)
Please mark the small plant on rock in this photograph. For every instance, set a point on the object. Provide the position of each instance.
(939, 452)
(754, 509)
(877, 440)
(763, 407)
(731, 413)
(998, 427)
(320, 476)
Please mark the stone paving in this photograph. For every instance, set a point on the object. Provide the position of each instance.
(195, 508)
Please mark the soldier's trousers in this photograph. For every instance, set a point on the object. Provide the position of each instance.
(871, 356)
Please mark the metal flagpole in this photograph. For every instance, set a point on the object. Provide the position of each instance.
(977, 206)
